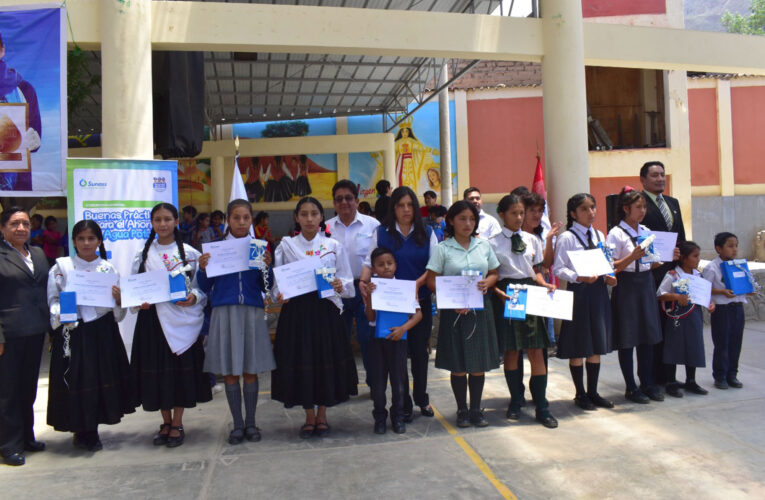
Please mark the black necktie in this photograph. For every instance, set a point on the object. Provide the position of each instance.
(516, 243)
(590, 244)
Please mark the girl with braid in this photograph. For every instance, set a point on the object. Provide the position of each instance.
(168, 355)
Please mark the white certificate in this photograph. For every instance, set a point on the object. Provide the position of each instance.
(540, 302)
(151, 287)
(394, 295)
(458, 292)
(589, 263)
(664, 245)
(93, 289)
(227, 256)
(699, 289)
(297, 278)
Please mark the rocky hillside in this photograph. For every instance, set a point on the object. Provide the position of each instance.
(705, 15)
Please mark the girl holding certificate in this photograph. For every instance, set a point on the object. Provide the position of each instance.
(238, 344)
(90, 380)
(467, 341)
(633, 300)
(520, 256)
(588, 335)
(315, 367)
(167, 354)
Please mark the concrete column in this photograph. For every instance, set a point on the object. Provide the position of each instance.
(217, 179)
(445, 147)
(564, 103)
(463, 148)
(725, 138)
(126, 100)
(389, 162)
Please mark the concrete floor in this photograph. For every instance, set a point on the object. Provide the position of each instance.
(695, 447)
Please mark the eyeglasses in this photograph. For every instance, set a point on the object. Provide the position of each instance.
(347, 198)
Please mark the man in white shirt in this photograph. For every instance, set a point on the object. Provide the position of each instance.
(355, 232)
(488, 226)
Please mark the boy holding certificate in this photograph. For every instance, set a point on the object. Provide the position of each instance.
(90, 380)
(387, 348)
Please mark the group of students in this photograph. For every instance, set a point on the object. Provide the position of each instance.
(311, 361)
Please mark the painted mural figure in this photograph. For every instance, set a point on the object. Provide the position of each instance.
(302, 186)
(413, 159)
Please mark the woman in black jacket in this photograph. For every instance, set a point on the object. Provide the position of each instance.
(23, 323)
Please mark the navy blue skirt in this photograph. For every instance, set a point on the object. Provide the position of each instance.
(634, 310)
(589, 332)
(684, 341)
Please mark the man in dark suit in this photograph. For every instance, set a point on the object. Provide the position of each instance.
(381, 206)
(24, 320)
(663, 214)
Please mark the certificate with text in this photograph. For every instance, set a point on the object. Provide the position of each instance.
(227, 256)
(458, 292)
(664, 245)
(589, 263)
(92, 288)
(540, 302)
(151, 287)
(394, 295)
(297, 278)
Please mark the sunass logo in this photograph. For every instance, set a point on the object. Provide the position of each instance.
(159, 184)
(92, 185)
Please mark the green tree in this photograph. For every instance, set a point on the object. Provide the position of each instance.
(753, 24)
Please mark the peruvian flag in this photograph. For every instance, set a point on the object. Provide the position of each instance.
(538, 186)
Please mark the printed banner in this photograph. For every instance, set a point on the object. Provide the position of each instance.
(119, 195)
(194, 184)
(33, 124)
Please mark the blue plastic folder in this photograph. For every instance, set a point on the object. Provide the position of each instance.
(646, 259)
(517, 310)
(68, 307)
(735, 275)
(386, 320)
(178, 290)
(323, 287)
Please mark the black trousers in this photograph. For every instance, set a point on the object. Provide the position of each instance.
(417, 339)
(19, 370)
(387, 359)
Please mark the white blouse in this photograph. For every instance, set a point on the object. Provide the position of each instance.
(623, 245)
(514, 265)
(562, 267)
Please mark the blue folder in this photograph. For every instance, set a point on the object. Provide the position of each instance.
(386, 320)
(68, 307)
(735, 275)
(516, 311)
(323, 287)
(178, 290)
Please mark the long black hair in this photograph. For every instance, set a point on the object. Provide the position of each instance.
(176, 233)
(532, 199)
(626, 198)
(239, 202)
(96, 229)
(310, 199)
(455, 210)
(418, 225)
(573, 204)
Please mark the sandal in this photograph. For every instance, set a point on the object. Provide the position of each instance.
(174, 442)
(322, 429)
(160, 438)
(307, 431)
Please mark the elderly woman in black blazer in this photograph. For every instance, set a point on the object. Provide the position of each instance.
(23, 322)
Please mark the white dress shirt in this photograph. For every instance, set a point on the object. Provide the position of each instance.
(356, 238)
(488, 226)
(562, 267)
(713, 273)
(514, 265)
(623, 245)
(433, 243)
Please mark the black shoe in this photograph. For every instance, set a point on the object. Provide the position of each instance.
(15, 459)
(252, 434)
(34, 446)
(735, 383)
(399, 427)
(462, 418)
(721, 384)
(426, 411)
(380, 427)
(160, 439)
(322, 429)
(513, 412)
(653, 393)
(695, 388)
(408, 416)
(637, 396)
(546, 419)
(306, 431)
(477, 418)
(96, 444)
(174, 442)
(584, 403)
(673, 389)
(523, 401)
(236, 436)
(600, 401)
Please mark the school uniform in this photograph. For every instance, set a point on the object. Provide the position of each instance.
(167, 354)
(727, 326)
(467, 342)
(634, 311)
(89, 382)
(239, 341)
(488, 225)
(314, 361)
(683, 326)
(589, 332)
(411, 262)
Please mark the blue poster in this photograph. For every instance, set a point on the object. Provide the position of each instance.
(33, 123)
